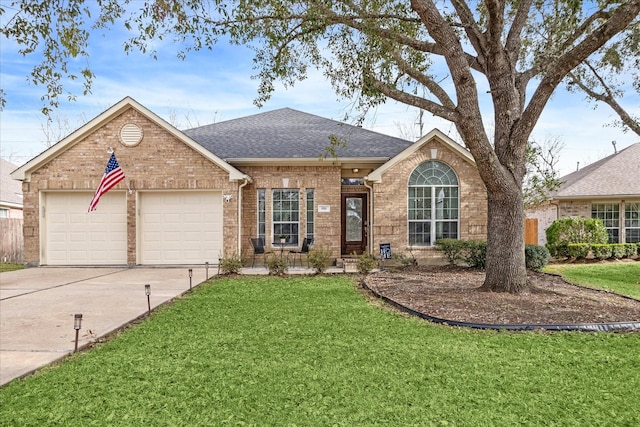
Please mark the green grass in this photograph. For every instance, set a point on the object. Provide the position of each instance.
(620, 277)
(302, 351)
(9, 266)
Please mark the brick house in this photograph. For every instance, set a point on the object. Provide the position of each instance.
(608, 189)
(194, 196)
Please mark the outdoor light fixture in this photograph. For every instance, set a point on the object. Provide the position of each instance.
(190, 276)
(355, 170)
(147, 292)
(206, 270)
(77, 324)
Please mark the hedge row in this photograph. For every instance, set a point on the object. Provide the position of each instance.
(601, 251)
(474, 253)
(567, 231)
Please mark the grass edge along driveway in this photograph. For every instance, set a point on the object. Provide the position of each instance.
(313, 351)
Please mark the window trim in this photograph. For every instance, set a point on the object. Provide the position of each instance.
(433, 188)
(310, 223)
(627, 221)
(294, 223)
(261, 208)
(612, 231)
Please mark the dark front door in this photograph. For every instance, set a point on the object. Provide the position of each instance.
(354, 223)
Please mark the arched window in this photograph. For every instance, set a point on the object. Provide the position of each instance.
(433, 204)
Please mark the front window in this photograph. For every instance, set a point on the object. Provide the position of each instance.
(632, 222)
(609, 213)
(4, 213)
(286, 215)
(262, 214)
(310, 214)
(433, 205)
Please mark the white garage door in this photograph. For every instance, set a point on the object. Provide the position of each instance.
(180, 227)
(72, 236)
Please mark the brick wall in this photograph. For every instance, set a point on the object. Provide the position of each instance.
(159, 162)
(574, 208)
(324, 180)
(390, 221)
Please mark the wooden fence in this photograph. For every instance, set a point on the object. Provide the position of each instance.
(531, 231)
(11, 241)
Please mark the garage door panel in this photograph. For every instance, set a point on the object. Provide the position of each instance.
(180, 227)
(72, 236)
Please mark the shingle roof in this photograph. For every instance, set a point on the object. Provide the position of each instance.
(287, 133)
(615, 175)
(10, 189)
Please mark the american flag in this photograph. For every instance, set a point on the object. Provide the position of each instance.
(112, 175)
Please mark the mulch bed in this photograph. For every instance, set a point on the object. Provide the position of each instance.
(452, 293)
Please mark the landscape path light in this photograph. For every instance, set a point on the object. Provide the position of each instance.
(147, 292)
(190, 276)
(206, 270)
(77, 324)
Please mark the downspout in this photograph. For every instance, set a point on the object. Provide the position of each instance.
(246, 181)
(370, 221)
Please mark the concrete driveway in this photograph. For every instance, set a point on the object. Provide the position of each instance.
(37, 308)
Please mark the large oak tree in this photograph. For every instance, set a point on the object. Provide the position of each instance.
(445, 57)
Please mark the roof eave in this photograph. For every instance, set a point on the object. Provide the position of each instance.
(305, 161)
(597, 197)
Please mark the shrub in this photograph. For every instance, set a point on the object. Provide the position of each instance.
(476, 253)
(277, 264)
(366, 263)
(601, 251)
(565, 231)
(453, 249)
(405, 261)
(618, 250)
(536, 257)
(319, 258)
(231, 265)
(578, 250)
(630, 249)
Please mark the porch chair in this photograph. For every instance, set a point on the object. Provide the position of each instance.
(258, 249)
(303, 251)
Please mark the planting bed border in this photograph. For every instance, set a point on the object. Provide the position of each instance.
(580, 327)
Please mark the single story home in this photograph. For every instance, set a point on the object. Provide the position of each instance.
(195, 196)
(608, 189)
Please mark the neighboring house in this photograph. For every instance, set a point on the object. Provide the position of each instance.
(608, 189)
(10, 192)
(194, 196)
(11, 241)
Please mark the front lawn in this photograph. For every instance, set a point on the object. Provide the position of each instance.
(620, 277)
(10, 266)
(312, 351)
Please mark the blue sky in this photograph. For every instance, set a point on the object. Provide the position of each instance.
(212, 86)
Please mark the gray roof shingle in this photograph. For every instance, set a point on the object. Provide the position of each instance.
(10, 189)
(615, 175)
(287, 134)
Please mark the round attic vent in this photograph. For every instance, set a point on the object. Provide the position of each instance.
(130, 134)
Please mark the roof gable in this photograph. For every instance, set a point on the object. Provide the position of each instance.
(288, 134)
(24, 172)
(615, 175)
(376, 175)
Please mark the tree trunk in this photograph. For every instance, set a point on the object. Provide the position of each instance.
(505, 268)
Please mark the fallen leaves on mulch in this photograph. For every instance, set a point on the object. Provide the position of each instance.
(451, 292)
